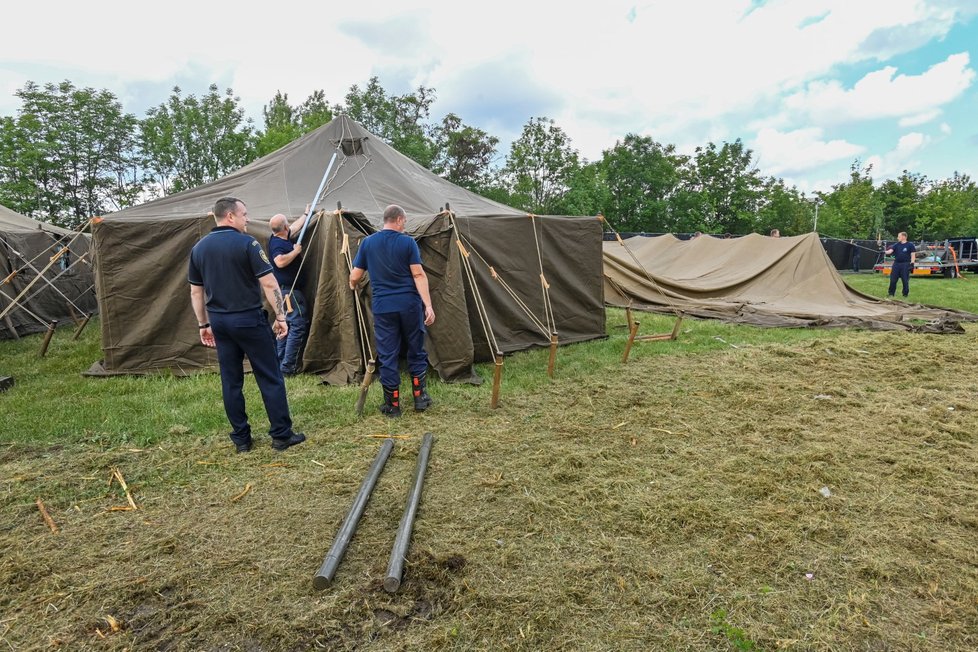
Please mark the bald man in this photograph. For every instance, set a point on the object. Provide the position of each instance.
(286, 261)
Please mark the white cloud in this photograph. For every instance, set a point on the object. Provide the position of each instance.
(800, 150)
(920, 118)
(900, 158)
(883, 93)
(945, 129)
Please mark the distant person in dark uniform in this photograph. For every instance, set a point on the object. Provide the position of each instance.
(855, 255)
(904, 257)
(228, 273)
(401, 306)
(775, 233)
(285, 266)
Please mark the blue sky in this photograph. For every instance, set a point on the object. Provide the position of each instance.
(808, 85)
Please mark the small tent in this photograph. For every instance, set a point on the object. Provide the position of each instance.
(782, 282)
(515, 281)
(44, 275)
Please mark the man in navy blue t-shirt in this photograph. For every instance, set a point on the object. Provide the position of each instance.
(904, 257)
(285, 266)
(401, 306)
(228, 273)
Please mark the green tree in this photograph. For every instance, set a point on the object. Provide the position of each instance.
(785, 209)
(284, 123)
(540, 166)
(729, 185)
(398, 119)
(465, 153)
(642, 177)
(69, 154)
(902, 201)
(949, 209)
(189, 141)
(852, 209)
(281, 125)
(587, 192)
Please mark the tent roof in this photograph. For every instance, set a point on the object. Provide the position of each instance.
(11, 221)
(367, 176)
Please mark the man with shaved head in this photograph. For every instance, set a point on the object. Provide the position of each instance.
(285, 265)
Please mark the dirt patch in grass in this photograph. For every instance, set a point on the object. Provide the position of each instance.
(818, 495)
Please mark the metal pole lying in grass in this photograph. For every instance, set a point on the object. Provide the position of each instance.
(336, 552)
(395, 569)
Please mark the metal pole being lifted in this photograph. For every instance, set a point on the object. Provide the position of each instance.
(315, 200)
(395, 569)
(336, 552)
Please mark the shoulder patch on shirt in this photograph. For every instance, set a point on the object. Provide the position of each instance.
(264, 257)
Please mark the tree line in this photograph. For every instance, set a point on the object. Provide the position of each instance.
(72, 153)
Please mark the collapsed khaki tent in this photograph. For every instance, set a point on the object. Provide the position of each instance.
(44, 275)
(783, 282)
(545, 271)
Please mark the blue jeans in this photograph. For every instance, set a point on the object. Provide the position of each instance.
(288, 350)
(247, 333)
(392, 329)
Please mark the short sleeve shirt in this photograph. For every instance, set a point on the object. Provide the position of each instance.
(902, 251)
(284, 275)
(388, 255)
(228, 264)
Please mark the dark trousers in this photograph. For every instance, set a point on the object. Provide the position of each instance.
(392, 329)
(240, 334)
(288, 349)
(855, 261)
(900, 271)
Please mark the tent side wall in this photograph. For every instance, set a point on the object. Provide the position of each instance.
(147, 321)
(571, 254)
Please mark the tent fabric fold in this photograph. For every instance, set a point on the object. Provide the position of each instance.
(786, 282)
(141, 256)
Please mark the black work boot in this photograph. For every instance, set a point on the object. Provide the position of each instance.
(421, 399)
(392, 402)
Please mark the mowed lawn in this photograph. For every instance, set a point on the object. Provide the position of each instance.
(739, 488)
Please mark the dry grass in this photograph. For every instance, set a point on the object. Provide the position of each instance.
(674, 503)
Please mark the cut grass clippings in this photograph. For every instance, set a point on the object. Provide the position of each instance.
(807, 490)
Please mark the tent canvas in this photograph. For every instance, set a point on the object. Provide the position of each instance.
(783, 282)
(26, 248)
(141, 258)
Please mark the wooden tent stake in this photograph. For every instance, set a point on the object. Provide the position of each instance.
(81, 326)
(497, 377)
(553, 356)
(47, 337)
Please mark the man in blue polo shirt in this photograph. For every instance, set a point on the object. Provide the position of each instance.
(285, 266)
(904, 257)
(401, 306)
(228, 273)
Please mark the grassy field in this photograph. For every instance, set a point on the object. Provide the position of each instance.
(738, 489)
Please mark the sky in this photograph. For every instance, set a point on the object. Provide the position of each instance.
(810, 86)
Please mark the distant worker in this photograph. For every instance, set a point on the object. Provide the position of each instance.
(285, 266)
(228, 273)
(401, 305)
(855, 256)
(904, 257)
(775, 233)
(696, 235)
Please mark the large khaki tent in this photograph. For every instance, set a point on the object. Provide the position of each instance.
(786, 282)
(65, 292)
(533, 274)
